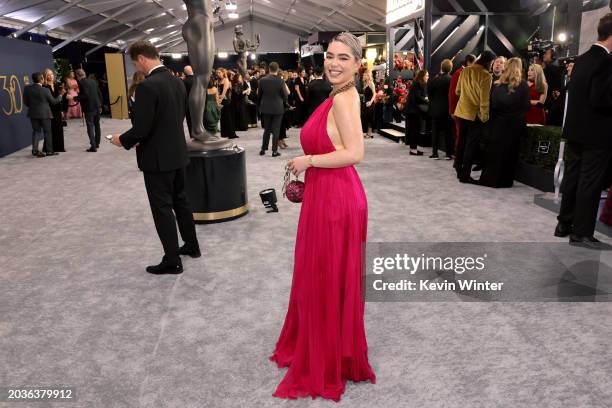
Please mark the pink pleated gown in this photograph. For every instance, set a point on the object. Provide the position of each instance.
(323, 338)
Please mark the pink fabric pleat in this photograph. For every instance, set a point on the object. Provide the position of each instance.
(323, 339)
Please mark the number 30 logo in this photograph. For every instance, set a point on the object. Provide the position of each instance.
(13, 88)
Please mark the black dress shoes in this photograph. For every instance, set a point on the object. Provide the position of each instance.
(92, 150)
(578, 238)
(276, 154)
(166, 268)
(262, 152)
(468, 180)
(586, 242)
(38, 154)
(52, 154)
(563, 230)
(190, 250)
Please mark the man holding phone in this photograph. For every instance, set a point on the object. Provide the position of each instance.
(161, 152)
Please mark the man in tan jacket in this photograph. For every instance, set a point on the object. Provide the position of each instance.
(474, 90)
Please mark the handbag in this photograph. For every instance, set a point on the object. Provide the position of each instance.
(423, 107)
(293, 189)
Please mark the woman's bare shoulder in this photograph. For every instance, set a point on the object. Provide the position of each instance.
(346, 100)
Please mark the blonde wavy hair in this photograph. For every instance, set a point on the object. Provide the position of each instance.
(368, 81)
(540, 79)
(513, 74)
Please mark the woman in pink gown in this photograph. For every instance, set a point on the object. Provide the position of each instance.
(323, 338)
(74, 108)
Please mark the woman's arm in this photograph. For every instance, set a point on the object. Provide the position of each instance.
(345, 111)
(225, 88)
(373, 96)
(542, 99)
(297, 90)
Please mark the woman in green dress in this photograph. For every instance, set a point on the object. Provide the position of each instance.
(213, 107)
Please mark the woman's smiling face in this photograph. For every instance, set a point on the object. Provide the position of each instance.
(340, 63)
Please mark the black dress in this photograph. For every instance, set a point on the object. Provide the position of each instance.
(367, 113)
(239, 107)
(227, 120)
(506, 128)
(300, 106)
(57, 123)
(417, 98)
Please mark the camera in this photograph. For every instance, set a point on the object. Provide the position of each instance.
(537, 47)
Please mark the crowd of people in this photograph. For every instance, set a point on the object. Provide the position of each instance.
(239, 100)
(478, 113)
(234, 103)
(51, 103)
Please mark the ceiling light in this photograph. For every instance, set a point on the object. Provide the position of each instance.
(177, 56)
(170, 26)
(154, 40)
(233, 15)
(184, 7)
(562, 37)
(149, 31)
(231, 6)
(253, 57)
(222, 54)
(435, 23)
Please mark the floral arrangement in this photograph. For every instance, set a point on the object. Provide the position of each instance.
(401, 93)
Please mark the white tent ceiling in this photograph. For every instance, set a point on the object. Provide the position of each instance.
(123, 21)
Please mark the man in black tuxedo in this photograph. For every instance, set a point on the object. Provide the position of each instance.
(441, 122)
(90, 98)
(318, 90)
(161, 152)
(588, 127)
(38, 99)
(272, 99)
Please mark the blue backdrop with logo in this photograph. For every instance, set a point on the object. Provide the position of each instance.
(18, 59)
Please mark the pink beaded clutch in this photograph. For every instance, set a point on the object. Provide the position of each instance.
(293, 190)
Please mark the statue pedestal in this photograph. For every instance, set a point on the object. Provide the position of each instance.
(216, 185)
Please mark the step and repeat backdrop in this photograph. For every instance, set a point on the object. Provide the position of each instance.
(18, 60)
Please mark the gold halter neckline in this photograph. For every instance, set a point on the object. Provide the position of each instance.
(346, 87)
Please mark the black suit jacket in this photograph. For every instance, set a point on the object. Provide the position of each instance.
(416, 97)
(254, 86)
(90, 95)
(188, 81)
(272, 95)
(38, 99)
(318, 92)
(437, 90)
(588, 120)
(158, 123)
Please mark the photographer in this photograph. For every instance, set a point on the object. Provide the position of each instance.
(553, 74)
(587, 129)
(557, 108)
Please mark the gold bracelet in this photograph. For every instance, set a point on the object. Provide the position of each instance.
(310, 161)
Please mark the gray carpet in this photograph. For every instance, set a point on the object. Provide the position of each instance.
(78, 309)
